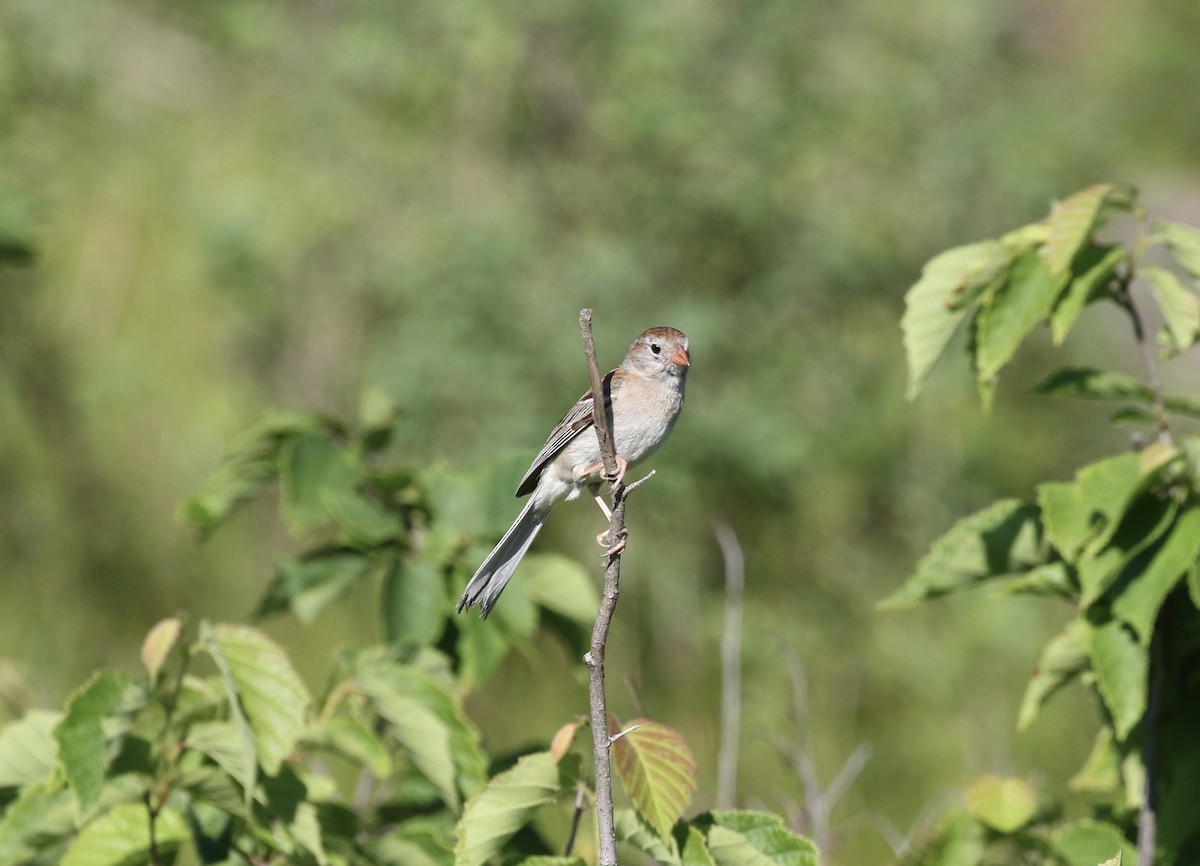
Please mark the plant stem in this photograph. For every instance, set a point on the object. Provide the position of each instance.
(731, 655)
(1147, 839)
(1124, 297)
(612, 574)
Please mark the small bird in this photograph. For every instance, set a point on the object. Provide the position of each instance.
(642, 397)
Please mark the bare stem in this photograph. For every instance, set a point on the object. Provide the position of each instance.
(605, 825)
(731, 665)
(575, 818)
(1147, 838)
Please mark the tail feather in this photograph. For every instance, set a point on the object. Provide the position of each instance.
(491, 577)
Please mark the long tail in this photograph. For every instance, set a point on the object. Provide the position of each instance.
(491, 577)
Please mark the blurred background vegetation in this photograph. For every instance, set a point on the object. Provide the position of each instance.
(209, 208)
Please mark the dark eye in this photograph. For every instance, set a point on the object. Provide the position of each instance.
(655, 348)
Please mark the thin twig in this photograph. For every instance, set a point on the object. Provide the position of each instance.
(575, 819)
(731, 665)
(605, 825)
(1147, 837)
(1124, 298)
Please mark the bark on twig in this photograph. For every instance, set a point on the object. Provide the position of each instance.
(608, 604)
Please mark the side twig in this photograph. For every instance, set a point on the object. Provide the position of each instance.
(605, 825)
(731, 665)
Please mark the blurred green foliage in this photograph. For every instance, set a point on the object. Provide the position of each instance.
(208, 207)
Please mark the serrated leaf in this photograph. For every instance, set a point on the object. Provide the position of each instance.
(757, 839)
(1051, 578)
(986, 544)
(1088, 510)
(312, 472)
(122, 836)
(1072, 221)
(695, 850)
(271, 693)
(364, 520)
(1121, 665)
(415, 603)
(1062, 659)
(1094, 384)
(430, 724)
(634, 830)
(28, 749)
(230, 744)
(1009, 313)
(1094, 268)
(159, 642)
(1180, 307)
(1139, 602)
(216, 787)
(354, 741)
(1144, 523)
(310, 586)
(413, 843)
(1005, 805)
(507, 803)
(1184, 243)
(1087, 843)
(936, 303)
(1101, 770)
(41, 812)
(82, 751)
(658, 772)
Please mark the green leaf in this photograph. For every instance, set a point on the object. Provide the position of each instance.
(312, 471)
(413, 843)
(429, 722)
(415, 603)
(230, 744)
(560, 584)
(310, 586)
(1101, 771)
(1094, 268)
(43, 812)
(1145, 522)
(958, 841)
(82, 751)
(28, 750)
(271, 693)
(757, 839)
(545, 860)
(1088, 510)
(658, 772)
(354, 741)
(1179, 306)
(505, 805)
(121, 837)
(1063, 658)
(1051, 578)
(937, 302)
(988, 543)
(1094, 384)
(695, 849)
(1193, 587)
(1121, 666)
(1008, 314)
(216, 787)
(159, 642)
(1005, 805)
(1087, 843)
(1139, 602)
(363, 519)
(1072, 221)
(634, 830)
(1184, 243)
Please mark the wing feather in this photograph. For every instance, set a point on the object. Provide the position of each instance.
(577, 419)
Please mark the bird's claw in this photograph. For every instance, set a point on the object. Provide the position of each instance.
(612, 549)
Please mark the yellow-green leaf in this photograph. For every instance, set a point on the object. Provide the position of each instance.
(658, 772)
(1064, 658)
(122, 836)
(1003, 804)
(1121, 665)
(1138, 604)
(757, 839)
(159, 642)
(1180, 307)
(82, 751)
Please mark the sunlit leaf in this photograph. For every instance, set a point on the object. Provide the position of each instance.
(1179, 306)
(1051, 578)
(431, 725)
(1062, 659)
(936, 303)
(506, 804)
(82, 751)
(1094, 269)
(1101, 771)
(1008, 314)
(122, 837)
(1094, 384)
(1072, 220)
(635, 831)
(658, 772)
(41, 812)
(1088, 510)
(354, 741)
(560, 584)
(757, 839)
(1184, 243)
(695, 849)
(1087, 843)
(563, 739)
(28, 749)
(1143, 525)
(1139, 602)
(159, 642)
(988, 543)
(271, 694)
(415, 602)
(1003, 804)
(1121, 666)
(229, 744)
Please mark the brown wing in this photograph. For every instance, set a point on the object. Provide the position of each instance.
(577, 419)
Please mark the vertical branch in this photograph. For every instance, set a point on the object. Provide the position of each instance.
(608, 604)
(1147, 833)
(731, 665)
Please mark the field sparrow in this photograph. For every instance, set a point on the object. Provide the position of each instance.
(643, 396)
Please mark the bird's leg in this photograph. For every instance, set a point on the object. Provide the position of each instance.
(622, 465)
(594, 489)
